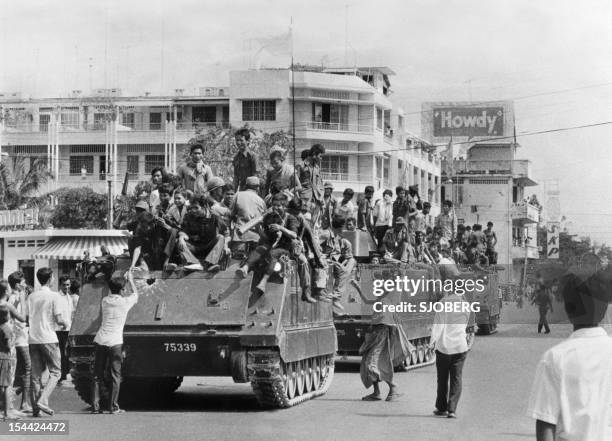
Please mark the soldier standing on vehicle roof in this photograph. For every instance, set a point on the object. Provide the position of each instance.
(195, 174)
(244, 162)
(491, 242)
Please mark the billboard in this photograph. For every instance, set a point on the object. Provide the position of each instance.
(552, 240)
(468, 121)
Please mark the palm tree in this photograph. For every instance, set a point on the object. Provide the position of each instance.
(19, 186)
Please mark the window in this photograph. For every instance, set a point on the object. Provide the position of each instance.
(379, 118)
(386, 176)
(379, 167)
(99, 122)
(45, 120)
(132, 167)
(70, 119)
(335, 168)
(155, 120)
(102, 167)
(259, 110)
(442, 193)
(128, 120)
(330, 116)
(80, 163)
(152, 161)
(204, 114)
(437, 195)
(515, 194)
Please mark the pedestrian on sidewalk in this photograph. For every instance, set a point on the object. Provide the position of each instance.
(23, 370)
(8, 314)
(449, 338)
(45, 314)
(66, 305)
(108, 341)
(571, 397)
(543, 300)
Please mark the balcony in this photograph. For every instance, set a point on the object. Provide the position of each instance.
(519, 169)
(339, 127)
(524, 213)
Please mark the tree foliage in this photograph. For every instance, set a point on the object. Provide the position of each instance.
(220, 149)
(79, 208)
(20, 187)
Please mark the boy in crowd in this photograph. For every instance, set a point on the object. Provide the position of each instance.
(346, 208)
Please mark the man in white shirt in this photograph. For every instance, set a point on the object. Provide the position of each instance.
(450, 340)
(66, 307)
(45, 314)
(23, 370)
(108, 341)
(571, 398)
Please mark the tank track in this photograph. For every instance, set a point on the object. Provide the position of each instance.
(271, 384)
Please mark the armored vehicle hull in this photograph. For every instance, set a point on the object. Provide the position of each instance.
(200, 324)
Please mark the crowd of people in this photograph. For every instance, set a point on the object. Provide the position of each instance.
(195, 220)
(34, 328)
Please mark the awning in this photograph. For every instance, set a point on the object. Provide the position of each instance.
(72, 248)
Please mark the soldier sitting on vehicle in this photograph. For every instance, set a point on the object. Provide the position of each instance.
(340, 254)
(247, 208)
(165, 197)
(150, 242)
(279, 238)
(310, 248)
(201, 236)
(176, 213)
(396, 242)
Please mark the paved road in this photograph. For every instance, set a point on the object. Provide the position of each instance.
(497, 379)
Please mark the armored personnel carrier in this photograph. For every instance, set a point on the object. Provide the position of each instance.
(199, 324)
(352, 326)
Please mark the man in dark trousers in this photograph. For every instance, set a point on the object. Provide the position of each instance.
(108, 341)
(245, 164)
(449, 338)
(543, 300)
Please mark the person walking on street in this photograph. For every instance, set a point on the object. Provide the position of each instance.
(449, 338)
(45, 314)
(543, 300)
(571, 397)
(62, 333)
(108, 341)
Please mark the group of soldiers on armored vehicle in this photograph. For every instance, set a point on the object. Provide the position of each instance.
(195, 221)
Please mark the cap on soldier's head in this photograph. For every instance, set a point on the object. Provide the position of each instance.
(489, 224)
(328, 185)
(400, 220)
(142, 205)
(214, 183)
(252, 181)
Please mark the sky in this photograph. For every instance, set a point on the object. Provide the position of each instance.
(551, 58)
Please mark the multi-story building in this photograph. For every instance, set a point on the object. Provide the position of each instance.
(88, 140)
(349, 112)
(487, 182)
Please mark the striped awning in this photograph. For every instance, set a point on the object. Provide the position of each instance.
(72, 248)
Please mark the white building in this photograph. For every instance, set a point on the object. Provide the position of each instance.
(87, 140)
